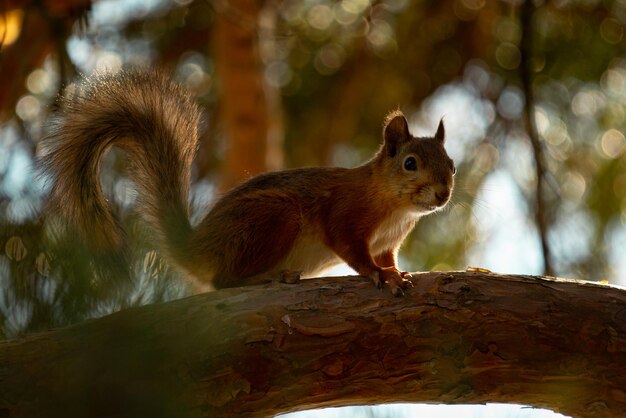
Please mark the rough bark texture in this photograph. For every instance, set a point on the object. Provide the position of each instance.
(456, 337)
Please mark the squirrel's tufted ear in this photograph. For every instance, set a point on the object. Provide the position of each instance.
(441, 132)
(396, 130)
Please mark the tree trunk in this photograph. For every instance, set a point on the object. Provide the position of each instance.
(456, 337)
(249, 108)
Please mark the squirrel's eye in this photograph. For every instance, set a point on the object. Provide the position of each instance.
(453, 170)
(410, 164)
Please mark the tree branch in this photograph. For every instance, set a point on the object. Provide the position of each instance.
(457, 337)
(526, 70)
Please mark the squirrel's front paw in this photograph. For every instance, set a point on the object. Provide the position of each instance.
(394, 279)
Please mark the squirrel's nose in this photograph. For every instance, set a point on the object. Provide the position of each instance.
(443, 196)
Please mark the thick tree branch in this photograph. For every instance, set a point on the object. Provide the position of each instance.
(456, 337)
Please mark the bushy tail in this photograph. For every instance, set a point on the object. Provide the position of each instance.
(155, 121)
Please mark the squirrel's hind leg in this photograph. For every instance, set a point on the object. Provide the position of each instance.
(256, 248)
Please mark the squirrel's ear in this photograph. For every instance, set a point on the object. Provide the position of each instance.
(396, 130)
(441, 132)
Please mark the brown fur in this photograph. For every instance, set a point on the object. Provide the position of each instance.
(304, 219)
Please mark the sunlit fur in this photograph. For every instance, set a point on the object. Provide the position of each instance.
(306, 219)
(156, 122)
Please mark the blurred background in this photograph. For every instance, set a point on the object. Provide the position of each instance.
(533, 95)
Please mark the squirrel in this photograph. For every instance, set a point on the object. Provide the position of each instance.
(284, 224)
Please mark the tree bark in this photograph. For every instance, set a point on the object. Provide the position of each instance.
(456, 337)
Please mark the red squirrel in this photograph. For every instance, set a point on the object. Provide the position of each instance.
(277, 224)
